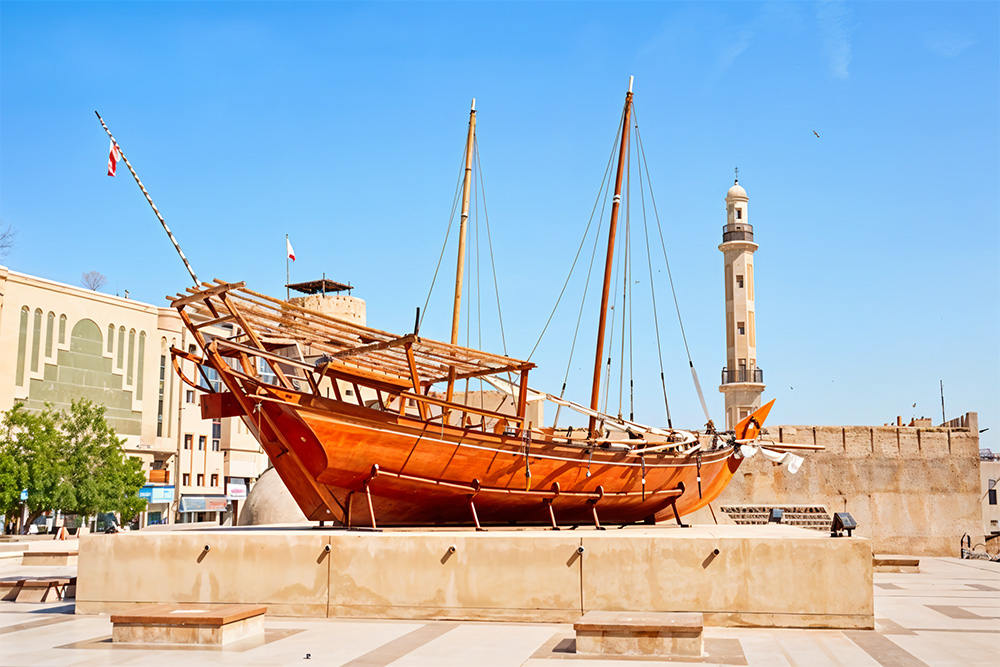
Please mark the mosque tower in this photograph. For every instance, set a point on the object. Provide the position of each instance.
(742, 380)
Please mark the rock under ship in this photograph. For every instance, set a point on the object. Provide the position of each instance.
(350, 419)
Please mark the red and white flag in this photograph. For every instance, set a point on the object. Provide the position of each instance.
(291, 253)
(113, 159)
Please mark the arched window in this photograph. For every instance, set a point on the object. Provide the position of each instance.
(36, 339)
(50, 325)
(62, 329)
(131, 356)
(111, 337)
(121, 347)
(22, 344)
(142, 360)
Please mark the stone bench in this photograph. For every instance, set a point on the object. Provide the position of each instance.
(46, 589)
(639, 633)
(212, 625)
(51, 558)
(885, 563)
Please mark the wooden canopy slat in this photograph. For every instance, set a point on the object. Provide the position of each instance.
(364, 346)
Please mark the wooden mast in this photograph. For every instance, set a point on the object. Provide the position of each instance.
(466, 189)
(615, 204)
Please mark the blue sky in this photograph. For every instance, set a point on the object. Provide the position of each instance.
(343, 124)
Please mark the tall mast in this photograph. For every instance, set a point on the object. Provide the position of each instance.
(615, 205)
(466, 190)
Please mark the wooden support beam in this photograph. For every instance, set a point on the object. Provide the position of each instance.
(204, 294)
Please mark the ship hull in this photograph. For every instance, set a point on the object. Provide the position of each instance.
(385, 469)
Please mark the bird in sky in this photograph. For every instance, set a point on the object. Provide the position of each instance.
(816, 133)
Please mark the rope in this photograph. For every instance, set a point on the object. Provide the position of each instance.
(149, 199)
(694, 373)
(652, 292)
(628, 247)
(489, 240)
(582, 241)
(586, 284)
(447, 234)
(611, 338)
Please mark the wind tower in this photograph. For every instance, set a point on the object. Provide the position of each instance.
(742, 380)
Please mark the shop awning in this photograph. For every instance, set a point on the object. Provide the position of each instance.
(203, 503)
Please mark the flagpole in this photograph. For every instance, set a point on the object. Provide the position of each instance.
(288, 294)
(128, 164)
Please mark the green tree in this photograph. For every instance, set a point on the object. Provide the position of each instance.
(71, 462)
(31, 460)
(102, 478)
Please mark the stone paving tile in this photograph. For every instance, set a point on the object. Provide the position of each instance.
(483, 645)
(946, 615)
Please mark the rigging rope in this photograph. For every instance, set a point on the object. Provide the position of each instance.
(652, 292)
(628, 251)
(489, 240)
(451, 219)
(590, 269)
(694, 373)
(582, 241)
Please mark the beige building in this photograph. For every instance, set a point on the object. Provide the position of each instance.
(742, 379)
(68, 343)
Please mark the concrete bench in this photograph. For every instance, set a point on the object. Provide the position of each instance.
(51, 558)
(887, 563)
(212, 625)
(639, 633)
(44, 589)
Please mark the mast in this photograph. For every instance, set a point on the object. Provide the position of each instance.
(466, 191)
(615, 205)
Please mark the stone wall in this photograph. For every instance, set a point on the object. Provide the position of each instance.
(911, 490)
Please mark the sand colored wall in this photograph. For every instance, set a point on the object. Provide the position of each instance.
(763, 576)
(911, 490)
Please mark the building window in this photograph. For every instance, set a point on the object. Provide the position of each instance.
(187, 440)
(216, 444)
(739, 281)
(993, 492)
(159, 402)
(189, 396)
(185, 480)
(215, 480)
(201, 443)
(741, 328)
(739, 214)
(201, 479)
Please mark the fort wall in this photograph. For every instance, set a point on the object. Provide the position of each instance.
(912, 490)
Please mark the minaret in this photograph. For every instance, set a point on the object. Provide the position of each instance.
(742, 379)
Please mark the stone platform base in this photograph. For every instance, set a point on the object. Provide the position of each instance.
(765, 576)
(50, 558)
(217, 625)
(885, 563)
(647, 634)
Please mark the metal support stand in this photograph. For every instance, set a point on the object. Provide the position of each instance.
(593, 507)
(548, 505)
(476, 484)
(673, 506)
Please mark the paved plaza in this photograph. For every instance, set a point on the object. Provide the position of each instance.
(948, 614)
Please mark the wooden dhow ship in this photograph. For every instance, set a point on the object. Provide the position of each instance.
(365, 429)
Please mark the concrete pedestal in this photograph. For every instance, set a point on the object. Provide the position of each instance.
(647, 634)
(171, 624)
(769, 576)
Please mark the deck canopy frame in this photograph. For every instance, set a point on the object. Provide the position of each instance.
(343, 349)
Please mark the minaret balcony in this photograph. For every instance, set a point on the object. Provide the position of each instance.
(737, 232)
(732, 376)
